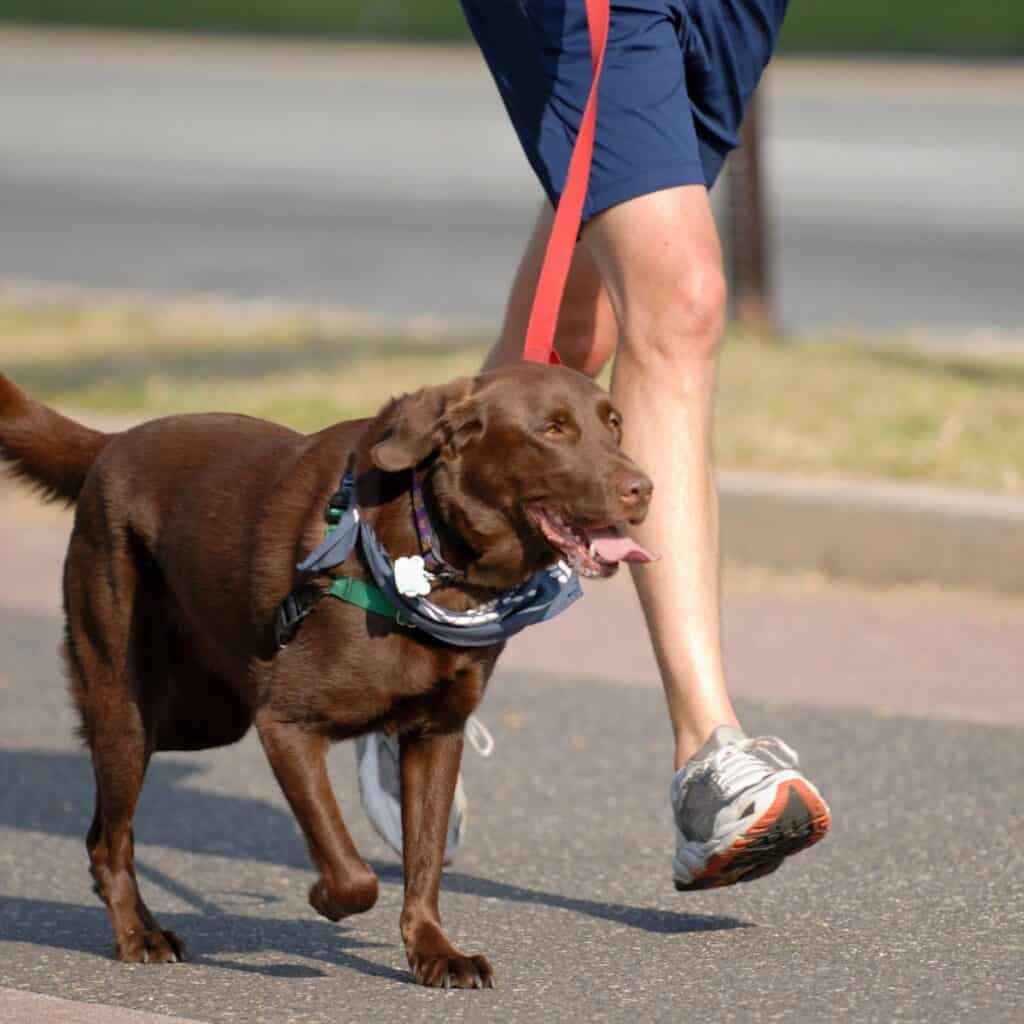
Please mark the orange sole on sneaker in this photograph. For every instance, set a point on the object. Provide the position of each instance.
(796, 819)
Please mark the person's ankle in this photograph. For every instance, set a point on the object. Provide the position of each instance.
(688, 742)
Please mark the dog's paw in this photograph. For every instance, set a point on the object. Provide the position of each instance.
(355, 896)
(455, 971)
(150, 947)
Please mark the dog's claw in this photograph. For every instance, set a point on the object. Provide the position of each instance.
(151, 947)
(454, 972)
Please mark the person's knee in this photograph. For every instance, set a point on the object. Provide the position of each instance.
(699, 309)
(660, 257)
(679, 319)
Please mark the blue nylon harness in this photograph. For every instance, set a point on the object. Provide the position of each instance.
(544, 595)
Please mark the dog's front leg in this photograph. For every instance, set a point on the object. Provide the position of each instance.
(347, 884)
(430, 768)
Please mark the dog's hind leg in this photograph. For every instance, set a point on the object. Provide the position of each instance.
(103, 609)
(347, 884)
(132, 943)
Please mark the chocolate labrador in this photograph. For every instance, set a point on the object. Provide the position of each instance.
(187, 534)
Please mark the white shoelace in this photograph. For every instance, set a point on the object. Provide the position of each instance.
(479, 736)
(738, 769)
(781, 754)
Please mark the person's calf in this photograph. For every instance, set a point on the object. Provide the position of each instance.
(587, 331)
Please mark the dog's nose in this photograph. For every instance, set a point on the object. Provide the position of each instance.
(634, 490)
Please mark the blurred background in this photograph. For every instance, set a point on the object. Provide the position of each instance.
(298, 188)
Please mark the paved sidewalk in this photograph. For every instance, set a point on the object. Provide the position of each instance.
(911, 910)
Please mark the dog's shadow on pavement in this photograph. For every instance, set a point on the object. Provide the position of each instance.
(209, 939)
(49, 792)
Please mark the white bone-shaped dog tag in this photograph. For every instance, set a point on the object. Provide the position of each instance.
(411, 578)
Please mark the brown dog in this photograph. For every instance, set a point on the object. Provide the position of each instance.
(186, 537)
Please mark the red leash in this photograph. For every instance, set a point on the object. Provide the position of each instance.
(539, 346)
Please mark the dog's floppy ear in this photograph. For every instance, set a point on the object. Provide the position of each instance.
(426, 421)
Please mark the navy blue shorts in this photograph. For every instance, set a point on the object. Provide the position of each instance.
(677, 77)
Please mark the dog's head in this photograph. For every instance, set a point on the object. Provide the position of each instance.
(526, 467)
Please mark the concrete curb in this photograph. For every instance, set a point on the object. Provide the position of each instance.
(877, 532)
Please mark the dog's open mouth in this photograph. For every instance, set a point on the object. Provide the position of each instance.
(592, 551)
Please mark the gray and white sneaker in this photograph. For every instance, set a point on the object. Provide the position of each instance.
(380, 786)
(741, 807)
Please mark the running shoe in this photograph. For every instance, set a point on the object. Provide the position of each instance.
(380, 786)
(741, 807)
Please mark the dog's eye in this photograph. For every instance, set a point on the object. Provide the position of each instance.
(558, 426)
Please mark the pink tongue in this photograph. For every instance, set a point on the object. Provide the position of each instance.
(612, 545)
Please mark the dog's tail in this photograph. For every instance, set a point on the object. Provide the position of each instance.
(43, 447)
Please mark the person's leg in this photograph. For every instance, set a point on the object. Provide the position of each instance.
(740, 805)
(587, 333)
(661, 262)
(649, 272)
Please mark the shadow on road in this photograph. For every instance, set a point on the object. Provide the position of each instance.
(208, 939)
(52, 792)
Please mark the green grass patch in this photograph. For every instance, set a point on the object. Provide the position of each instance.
(820, 407)
(993, 27)
(394, 19)
(941, 26)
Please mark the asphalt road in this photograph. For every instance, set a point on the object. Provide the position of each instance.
(388, 179)
(912, 910)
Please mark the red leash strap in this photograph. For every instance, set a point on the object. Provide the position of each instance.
(539, 346)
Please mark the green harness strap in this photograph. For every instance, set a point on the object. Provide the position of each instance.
(364, 595)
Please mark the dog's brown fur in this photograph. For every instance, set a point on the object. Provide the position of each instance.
(186, 534)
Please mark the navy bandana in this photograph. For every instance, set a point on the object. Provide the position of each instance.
(544, 595)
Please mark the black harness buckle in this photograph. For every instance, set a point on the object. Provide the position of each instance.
(341, 500)
(301, 601)
(291, 611)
